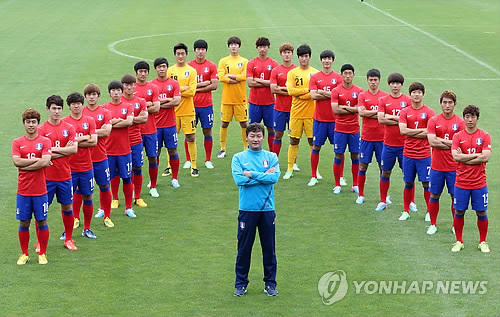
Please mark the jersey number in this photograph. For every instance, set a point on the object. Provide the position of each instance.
(299, 80)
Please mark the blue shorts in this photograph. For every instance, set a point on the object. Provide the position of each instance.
(84, 182)
(257, 113)
(28, 205)
(478, 198)
(205, 115)
(280, 120)
(437, 180)
(367, 148)
(322, 131)
(413, 167)
(137, 155)
(389, 156)
(344, 139)
(150, 142)
(167, 137)
(101, 172)
(63, 191)
(120, 165)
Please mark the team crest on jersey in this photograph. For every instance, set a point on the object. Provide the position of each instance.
(355, 95)
(65, 133)
(124, 111)
(479, 141)
(149, 92)
(265, 163)
(454, 127)
(186, 74)
(403, 104)
(269, 67)
(240, 65)
(205, 69)
(100, 117)
(334, 81)
(169, 87)
(85, 125)
(137, 105)
(423, 115)
(39, 146)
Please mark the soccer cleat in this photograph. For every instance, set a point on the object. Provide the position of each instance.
(432, 229)
(404, 216)
(483, 246)
(413, 207)
(37, 247)
(287, 175)
(115, 203)
(42, 259)
(271, 290)
(355, 189)
(23, 259)
(130, 212)
(318, 176)
(457, 247)
(140, 202)
(313, 181)
(154, 193)
(342, 181)
(222, 154)
(388, 200)
(63, 236)
(148, 185)
(209, 165)
(76, 223)
(240, 291)
(360, 200)
(427, 217)
(295, 167)
(175, 183)
(195, 172)
(108, 223)
(337, 190)
(187, 164)
(166, 172)
(70, 245)
(89, 234)
(381, 206)
(99, 214)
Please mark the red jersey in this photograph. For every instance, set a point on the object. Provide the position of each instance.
(346, 123)
(443, 128)
(321, 81)
(416, 148)
(393, 106)
(148, 92)
(169, 88)
(101, 117)
(31, 183)
(118, 142)
(82, 160)
(371, 129)
(205, 71)
(59, 135)
(471, 176)
(278, 77)
(257, 68)
(134, 131)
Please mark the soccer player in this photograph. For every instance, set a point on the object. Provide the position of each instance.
(321, 86)
(417, 151)
(389, 108)
(232, 71)
(119, 152)
(345, 106)
(58, 174)
(255, 171)
(471, 148)
(82, 171)
(207, 80)
(440, 131)
(261, 99)
(372, 133)
(149, 92)
(184, 113)
(31, 154)
(170, 97)
(302, 110)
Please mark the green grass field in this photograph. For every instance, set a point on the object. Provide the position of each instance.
(177, 257)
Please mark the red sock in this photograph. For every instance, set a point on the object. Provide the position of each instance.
(36, 229)
(407, 194)
(128, 191)
(105, 202)
(68, 224)
(115, 185)
(354, 171)
(153, 175)
(361, 183)
(137, 180)
(337, 171)
(88, 210)
(427, 196)
(433, 210)
(24, 241)
(384, 188)
(174, 165)
(77, 204)
(314, 163)
(458, 224)
(208, 149)
(482, 225)
(413, 194)
(270, 139)
(188, 157)
(43, 239)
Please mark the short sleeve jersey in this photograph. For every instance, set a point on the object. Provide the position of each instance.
(31, 183)
(416, 148)
(185, 76)
(59, 135)
(134, 131)
(262, 69)
(118, 140)
(233, 94)
(205, 71)
(297, 84)
(444, 128)
(322, 81)
(346, 123)
(371, 129)
(165, 118)
(278, 77)
(82, 160)
(393, 106)
(148, 92)
(471, 176)
(101, 117)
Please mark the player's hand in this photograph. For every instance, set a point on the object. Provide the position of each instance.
(271, 170)
(247, 173)
(459, 150)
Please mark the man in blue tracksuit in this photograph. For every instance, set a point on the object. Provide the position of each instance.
(255, 171)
